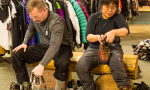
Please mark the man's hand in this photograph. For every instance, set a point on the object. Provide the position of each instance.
(38, 70)
(19, 47)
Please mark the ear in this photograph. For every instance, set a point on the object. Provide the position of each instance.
(44, 9)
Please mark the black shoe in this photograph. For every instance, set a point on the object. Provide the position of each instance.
(26, 86)
(79, 86)
(14, 86)
(70, 86)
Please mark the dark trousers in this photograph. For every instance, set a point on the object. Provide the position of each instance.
(35, 53)
(89, 60)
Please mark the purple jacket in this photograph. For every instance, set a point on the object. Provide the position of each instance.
(32, 41)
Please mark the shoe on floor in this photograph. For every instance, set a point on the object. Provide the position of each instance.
(79, 86)
(26, 86)
(131, 87)
(14, 86)
(69, 86)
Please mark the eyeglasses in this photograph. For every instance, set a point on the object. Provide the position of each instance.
(36, 17)
(112, 8)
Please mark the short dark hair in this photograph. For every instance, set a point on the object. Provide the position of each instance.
(107, 2)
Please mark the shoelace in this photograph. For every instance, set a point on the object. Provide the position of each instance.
(104, 53)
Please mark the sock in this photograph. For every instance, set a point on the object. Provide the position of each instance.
(59, 84)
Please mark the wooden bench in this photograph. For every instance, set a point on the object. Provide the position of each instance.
(144, 9)
(130, 62)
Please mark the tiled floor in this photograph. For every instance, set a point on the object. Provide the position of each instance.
(138, 33)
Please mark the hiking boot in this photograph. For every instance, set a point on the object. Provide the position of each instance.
(26, 86)
(14, 86)
(104, 52)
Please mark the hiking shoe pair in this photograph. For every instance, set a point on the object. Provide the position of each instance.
(104, 52)
(24, 86)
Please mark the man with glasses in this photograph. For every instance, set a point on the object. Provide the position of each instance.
(54, 44)
(109, 26)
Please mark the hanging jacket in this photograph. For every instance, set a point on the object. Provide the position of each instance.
(87, 5)
(75, 21)
(50, 5)
(81, 18)
(134, 7)
(32, 41)
(84, 10)
(129, 9)
(67, 21)
(59, 10)
(53, 2)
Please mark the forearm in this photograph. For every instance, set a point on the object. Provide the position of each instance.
(120, 32)
(93, 38)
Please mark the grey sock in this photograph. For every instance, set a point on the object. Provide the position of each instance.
(59, 84)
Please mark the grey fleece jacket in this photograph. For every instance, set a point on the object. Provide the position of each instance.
(52, 32)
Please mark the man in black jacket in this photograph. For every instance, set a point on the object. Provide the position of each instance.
(54, 44)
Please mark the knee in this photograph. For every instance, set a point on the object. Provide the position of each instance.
(117, 57)
(63, 64)
(18, 53)
(80, 67)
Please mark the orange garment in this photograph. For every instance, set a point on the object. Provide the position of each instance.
(120, 6)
